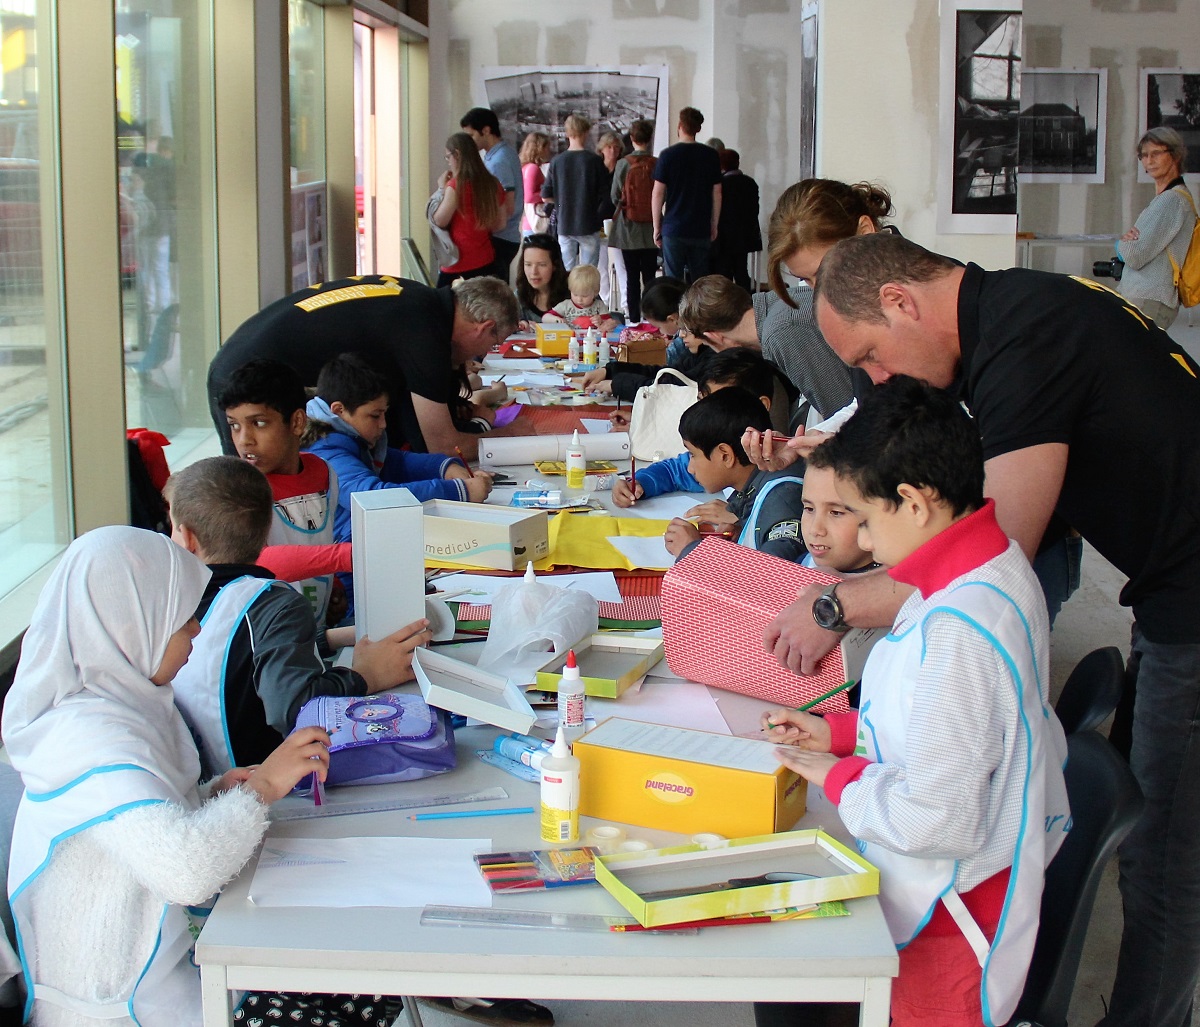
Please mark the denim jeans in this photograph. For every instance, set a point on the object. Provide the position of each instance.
(1057, 570)
(686, 259)
(580, 249)
(1159, 963)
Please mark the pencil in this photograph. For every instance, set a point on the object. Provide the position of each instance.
(464, 460)
(500, 379)
(470, 813)
(316, 790)
(819, 699)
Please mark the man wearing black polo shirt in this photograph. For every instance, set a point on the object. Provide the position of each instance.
(415, 336)
(1089, 411)
(687, 180)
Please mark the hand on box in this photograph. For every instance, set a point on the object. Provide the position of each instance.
(552, 318)
(303, 752)
(679, 535)
(794, 727)
(794, 637)
(812, 766)
(388, 662)
(624, 494)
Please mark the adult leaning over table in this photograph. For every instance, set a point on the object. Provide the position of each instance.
(418, 338)
(1042, 361)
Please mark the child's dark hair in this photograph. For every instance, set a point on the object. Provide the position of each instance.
(723, 417)
(741, 366)
(271, 383)
(661, 300)
(907, 432)
(226, 503)
(348, 379)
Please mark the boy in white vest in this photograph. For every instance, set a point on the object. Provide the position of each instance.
(950, 773)
(256, 661)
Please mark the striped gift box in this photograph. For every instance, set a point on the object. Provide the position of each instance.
(716, 604)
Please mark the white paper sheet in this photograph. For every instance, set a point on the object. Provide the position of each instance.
(482, 588)
(596, 425)
(544, 379)
(509, 379)
(501, 364)
(663, 508)
(343, 872)
(649, 553)
(678, 702)
(656, 740)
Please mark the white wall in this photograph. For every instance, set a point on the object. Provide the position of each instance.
(1122, 36)
(878, 115)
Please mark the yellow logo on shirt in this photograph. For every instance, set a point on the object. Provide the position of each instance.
(389, 287)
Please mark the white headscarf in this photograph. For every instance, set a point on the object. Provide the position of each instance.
(82, 697)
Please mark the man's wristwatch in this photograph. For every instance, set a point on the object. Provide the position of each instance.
(827, 610)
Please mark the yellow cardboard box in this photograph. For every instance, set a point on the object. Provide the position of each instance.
(608, 664)
(685, 883)
(676, 779)
(476, 535)
(553, 340)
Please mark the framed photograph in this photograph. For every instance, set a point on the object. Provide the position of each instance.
(531, 99)
(1062, 128)
(809, 15)
(1170, 97)
(980, 110)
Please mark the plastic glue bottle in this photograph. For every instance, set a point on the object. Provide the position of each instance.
(605, 350)
(560, 793)
(590, 352)
(576, 464)
(570, 700)
(573, 350)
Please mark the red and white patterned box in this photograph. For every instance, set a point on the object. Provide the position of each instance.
(716, 604)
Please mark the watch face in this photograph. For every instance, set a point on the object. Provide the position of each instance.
(825, 612)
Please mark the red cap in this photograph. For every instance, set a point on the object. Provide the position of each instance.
(571, 659)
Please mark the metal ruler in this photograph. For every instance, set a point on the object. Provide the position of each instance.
(530, 919)
(303, 809)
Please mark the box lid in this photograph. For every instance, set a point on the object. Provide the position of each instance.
(461, 688)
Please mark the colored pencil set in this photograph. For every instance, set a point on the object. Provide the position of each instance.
(534, 869)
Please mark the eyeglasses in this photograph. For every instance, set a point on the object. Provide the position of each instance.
(1152, 154)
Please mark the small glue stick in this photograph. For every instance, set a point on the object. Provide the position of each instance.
(570, 700)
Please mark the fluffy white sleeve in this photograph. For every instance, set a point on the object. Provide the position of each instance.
(184, 856)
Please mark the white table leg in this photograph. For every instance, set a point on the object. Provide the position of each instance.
(215, 996)
(875, 1010)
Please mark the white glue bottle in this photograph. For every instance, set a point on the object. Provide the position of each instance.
(605, 350)
(590, 353)
(570, 700)
(576, 464)
(573, 350)
(560, 793)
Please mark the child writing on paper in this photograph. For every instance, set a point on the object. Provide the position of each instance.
(583, 308)
(115, 844)
(766, 505)
(256, 664)
(950, 774)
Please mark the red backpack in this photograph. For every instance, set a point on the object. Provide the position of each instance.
(638, 189)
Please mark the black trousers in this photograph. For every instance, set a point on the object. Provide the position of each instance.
(641, 268)
(505, 251)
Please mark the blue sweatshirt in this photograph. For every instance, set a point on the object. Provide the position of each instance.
(663, 476)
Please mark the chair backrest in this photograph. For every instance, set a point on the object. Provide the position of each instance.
(1092, 691)
(1105, 804)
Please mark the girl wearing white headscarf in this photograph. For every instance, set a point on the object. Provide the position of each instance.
(113, 838)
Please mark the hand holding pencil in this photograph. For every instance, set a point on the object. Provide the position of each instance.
(793, 727)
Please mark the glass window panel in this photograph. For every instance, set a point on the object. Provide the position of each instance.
(306, 98)
(34, 499)
(163, 52)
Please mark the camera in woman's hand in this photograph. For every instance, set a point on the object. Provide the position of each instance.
(1112, 268)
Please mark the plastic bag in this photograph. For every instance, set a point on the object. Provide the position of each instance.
(531, 620)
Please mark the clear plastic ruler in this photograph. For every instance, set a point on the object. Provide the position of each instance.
(296, 808)
(530, 919)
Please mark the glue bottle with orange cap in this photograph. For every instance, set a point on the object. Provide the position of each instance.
(570, 700)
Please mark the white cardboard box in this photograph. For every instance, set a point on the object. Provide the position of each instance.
(460, 687)
(387, 532)
(478, 535)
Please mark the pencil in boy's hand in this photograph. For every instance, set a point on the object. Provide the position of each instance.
(316, 789)
(458, 450)
(500, 379)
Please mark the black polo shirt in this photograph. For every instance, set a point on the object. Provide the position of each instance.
(1050, 358)
(402, 328)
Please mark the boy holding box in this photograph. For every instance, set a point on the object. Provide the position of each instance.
(950, 774)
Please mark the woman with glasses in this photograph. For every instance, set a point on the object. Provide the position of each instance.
(472, 199)
(1162, 231)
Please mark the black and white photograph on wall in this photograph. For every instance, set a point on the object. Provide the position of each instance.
(1170, 98)
(981, 90)
(529, 99)
(809, 14)
(1061, 133)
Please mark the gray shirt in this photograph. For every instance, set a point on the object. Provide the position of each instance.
(502, 161)
(1165, 226)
